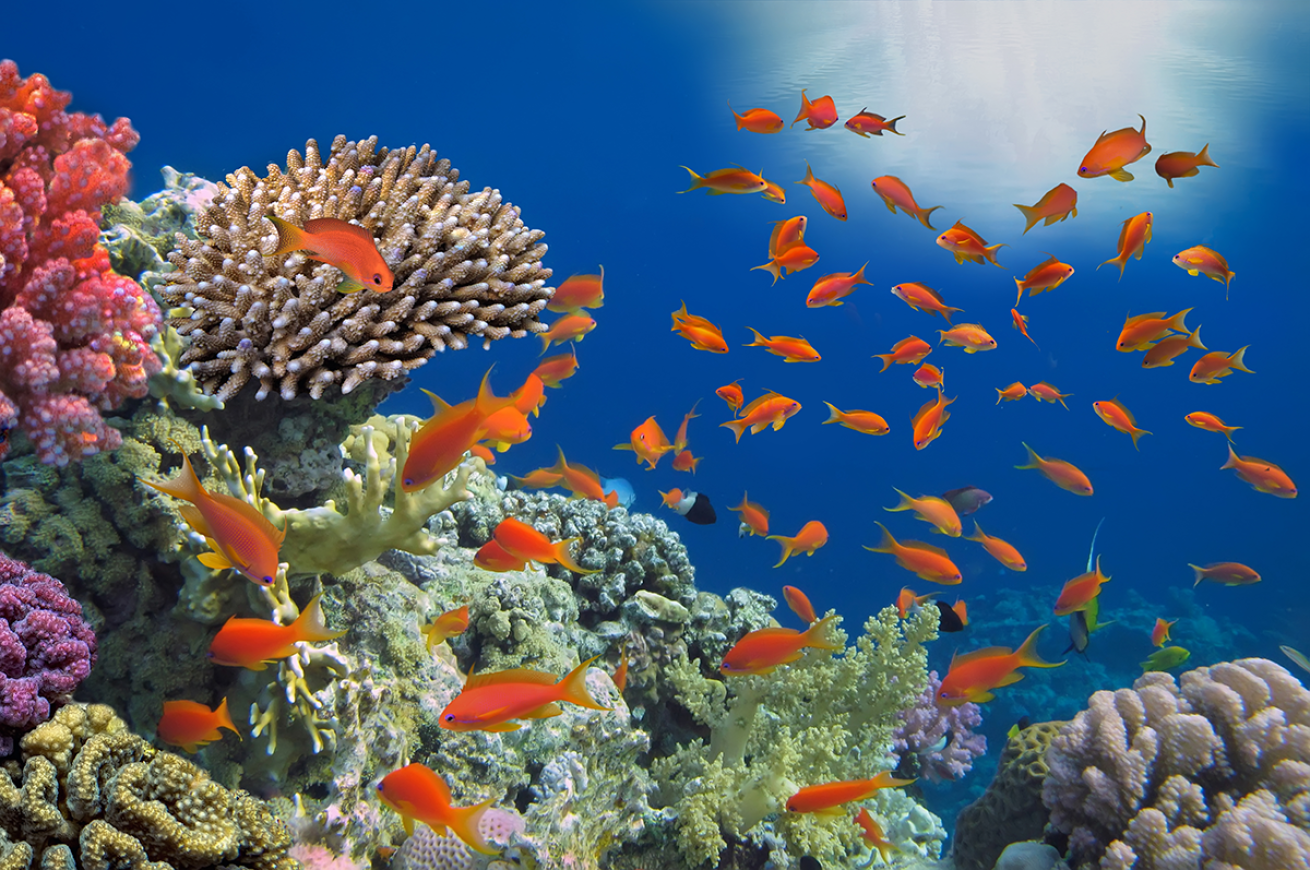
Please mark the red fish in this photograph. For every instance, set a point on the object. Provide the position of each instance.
(1217, 364)
(1056, 204)
(766, 649)
(489, 702)
(1013, 393)
(865, 422)
(731, 393)
(907, 351)
(926, 561)
(757, 120)
(921, 297)
(828, 797)
(1183, 164)
(1133, 237)
(1200, 260)
(1116, 416)
(790, 348)
(826, 195)
(1046, 275)
(736, 179)
(253, 643)
(554, 369)
(1078, 593)
(873, 836)
(965, 244)
(581, 480)
(570, 327)
(1002, 551)
(491, 556)
(191, 725)
(1262, 474)
(1044, 392)
(972, 676)
(541, 478)
(928, 376)
(452, 623)
(771, 409)
(927, 423)
(865, 123)
(831, 289)
(620, 676)
(894, 193)
(579, 292)
(649, 442)
(1160, 634)
(820, 114)
(1227, 573)
(754, 518)
(418, 794)
(1063, 474)
(787, 234)
(346, 246)
(1210, 423)
(522, 540)
(799, 604)
(794, 259)
(1141, 331)
(1170, 347)
(1113, 151)
(702, 334)
(907, 600)
(811, 537)
(685, 461)
(444, 438)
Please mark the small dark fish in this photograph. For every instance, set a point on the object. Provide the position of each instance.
(696, 507)
(808, 863)
(1023, 723)
(1079, 636)
(948, 619)
(967, 499)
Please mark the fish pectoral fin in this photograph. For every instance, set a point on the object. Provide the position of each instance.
(839, 810)
(214, 560)
(502, 726)
(983, 698)
(545, 711)
(1194, 272)
(1121, 175)
(349, 285)
(1010, 679)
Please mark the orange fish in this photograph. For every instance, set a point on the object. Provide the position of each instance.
(671, 498)
(239, 536)
(685, 461)
(1183, 164)
(1063, 474)
(1170, 347)
(346, 246)
(570, 327)
(1263, 475)
(907, 351)
(907, 600)
(529, 398)
(1013, 393)
(579, 292)
(828, 797)
(928, 376)
(866, 422)
(965, 244)
(649, 442)
(253, 643)
(926, 561)
(754, 518)
(757, 120)
(927, 423)
(794, 259)
(1160, 634)
(620, 676)
(731, 393)
(766, 649)
(418, 794)
(831, 289)
(452, 623)
(811, 537)
(491, 556)
(799, 604)
(865, 123)
(554, 369)
(773, 192)
(771, 409)
(506, 427)
(488, 702)
(191, 725)
(1044, 392)
(1200, 260)
(702, 334)
(541, 478)
(872, 835)
(1002, 551)
(826, 195)
(1133, 237)
(1140, 332)
(790, 348)
(1046, 275)
(1210, 423)
(1113, 151)
(921, 297)
(483, 452)
(736, 179)
(787, 234)
(894, 193)
(1116, 416)
(522, 540)
(819, 114)
(441, 442)
(1056, 204)
(935, 511)
(1227, 573)
(1079, 592)
(973, 675)
(969, 336)
(1217, 364)
(581, 480)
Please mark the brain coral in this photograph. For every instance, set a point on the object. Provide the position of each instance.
(464, 265)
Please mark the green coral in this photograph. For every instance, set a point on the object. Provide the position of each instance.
(821, 719)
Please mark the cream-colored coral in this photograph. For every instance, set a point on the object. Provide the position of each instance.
(464, 264)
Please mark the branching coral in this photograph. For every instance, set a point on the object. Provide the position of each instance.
(464, 265)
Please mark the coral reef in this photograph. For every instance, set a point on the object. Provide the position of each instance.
(74, 336)
(464, 264)
(1212, 770)
(938, 744)
(140, 236)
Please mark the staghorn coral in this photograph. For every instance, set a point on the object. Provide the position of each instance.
(1169, 775)
(464, 264)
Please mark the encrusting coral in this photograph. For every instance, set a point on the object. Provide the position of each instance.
(464, 263)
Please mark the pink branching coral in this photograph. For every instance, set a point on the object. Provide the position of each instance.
(74, 337)
(939, 743)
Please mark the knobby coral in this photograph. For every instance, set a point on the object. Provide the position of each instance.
(464, 265)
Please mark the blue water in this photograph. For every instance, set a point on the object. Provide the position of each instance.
(581, 117)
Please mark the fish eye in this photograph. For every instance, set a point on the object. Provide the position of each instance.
(449, 717)
(409, 481)
(268, 581)
(377, 279)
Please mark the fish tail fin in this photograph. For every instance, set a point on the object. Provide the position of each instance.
(1030, 216)
(1119, 261)
(805, 109)
(310, 624)
(991, 253)
(1018, 283)
(289, 237)
(738, 428)
(1027, 652)
(1200, 572)
(906, 503)
(185, 486)
(1034, 461)
(225, 718)
(1138, 433)
(817, 637)
(977, 533)
(1178, 322)
(1194, 340)
(1232, 459)
(922, 215)
(464, 822)
(1237, 360)
(573, 687)
(759, 339)
(886, 360)
(741, 121)
(834, 414)
(787, 547)
(1203, 157)
(946, 313)
(891, 125)
(561, 554)
(886, 545)
(696, 180)
(772, 268)
(809, 175)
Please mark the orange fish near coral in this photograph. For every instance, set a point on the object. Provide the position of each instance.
(554, 369)
(1183, 164)
(489, 702)
(1113, 151)
(1002, 551)
(972, 676)
(907, 600)
(754, 518)
(757, 120)
(1210, 423)
(1046, 275)
(907, 351)
(811, 537)
(800, 604)
(819, 114)
(418, 794)
(731, 393)
(1133, 237)
(649, 442)
(191, 725)
(969, 336)
(239, 536)
(1115, 415)
(926, 561)
(581, 480)
(965, 244)
(1226, 573)
(921, 297)
(1063, 474)
(1160, 634)
(1171, 347)
(1013, 393)
(865, 124)
(766, 649)
(865, 422)
(1217, 364)
(1263, 475)
(1056, 204)
(828, 797)
(826, 195)
(450, 624)
(579, 292)
(1079, 592)
(491, 556)
(771, 409)
(522, 540)
(441, 442)
(346, 246)
(1044, 392)
(831, 289)
(935, 511)
(872, 834)
(790, 348)
(570, 327)
(735, 179)
(895, 193)
(252, 643)
(1200, 260)
(927, 423)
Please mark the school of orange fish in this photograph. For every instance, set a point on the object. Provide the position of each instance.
(240, 537)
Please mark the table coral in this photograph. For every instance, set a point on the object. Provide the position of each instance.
(74, 336)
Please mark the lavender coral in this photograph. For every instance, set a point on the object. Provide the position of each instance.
(938, 743)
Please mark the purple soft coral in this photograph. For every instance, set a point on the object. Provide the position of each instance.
(46, 648)
(941, 741)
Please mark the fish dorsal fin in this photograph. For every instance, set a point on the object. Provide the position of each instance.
(775, 631)
(322, 225)
(514, 675)
(438, 404)
(984, 653)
